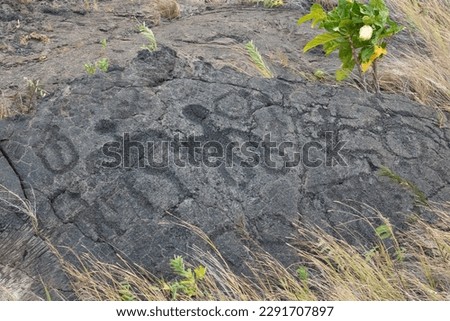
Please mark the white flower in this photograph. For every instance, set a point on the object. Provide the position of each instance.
(365, 33)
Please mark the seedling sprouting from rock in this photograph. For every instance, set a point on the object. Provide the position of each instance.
(358, 31)
(103, 64)
(257, 59)
(150, 36)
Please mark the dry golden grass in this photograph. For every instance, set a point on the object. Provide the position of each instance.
(406, 265)
(414, 266)
(168, 9)
(422, 71)
(5, 107)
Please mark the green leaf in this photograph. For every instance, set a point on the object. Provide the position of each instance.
(378, 4)
(317, 15)
(383, 232)
(200, 272)
(392, 30)
(320, 40)
(331, 46)
(343, 73)
(346, 55)
(366, 53)
(357, 9)
(345, 23)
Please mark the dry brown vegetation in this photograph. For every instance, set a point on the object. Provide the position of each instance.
(403, 265)
(422, 70)
(409, 265)
(168, 9)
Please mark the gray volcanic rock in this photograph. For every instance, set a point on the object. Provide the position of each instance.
(85, 200)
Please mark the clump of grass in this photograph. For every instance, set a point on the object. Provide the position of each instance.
(5, 107)
(328, 269)
(422, 69)
(258, 60)
(270, 3)
(401, 265)
(26, 98)
(169, 9)
(34, 91)
(152, 44)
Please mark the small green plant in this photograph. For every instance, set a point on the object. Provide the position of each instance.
(257, 59)
(34, 88)
(188, 284)
(126, 292)
(302, 273)
(151, 45)
(32, 92)
(358, 31)
(384, 232)
(320, 74)
(103, 64)
(420, 196)
(104, 43)
(90, 68)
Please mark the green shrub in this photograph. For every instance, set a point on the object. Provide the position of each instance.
(358, 31)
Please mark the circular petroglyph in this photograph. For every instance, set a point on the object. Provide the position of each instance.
(58, 154)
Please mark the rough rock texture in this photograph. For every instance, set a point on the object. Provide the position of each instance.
(54, 159)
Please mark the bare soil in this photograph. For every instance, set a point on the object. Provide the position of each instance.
(50, 41)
